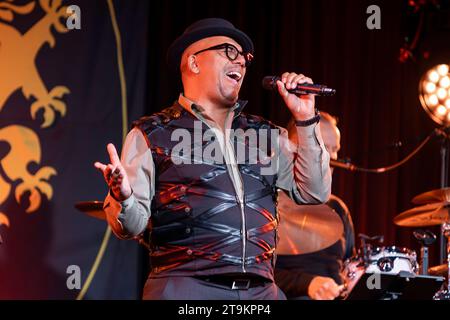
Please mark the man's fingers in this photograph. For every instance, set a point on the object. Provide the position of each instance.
(342, 290)
(299, 79)
(100, 166)
(113, 173)
(117, 170)
(332, 290)
(107, 172)
(113, 156)
(326, 294)
(290, 81)
(281, 89)
(335, 291)
(327, 289)
(114, 176)
(116, 179)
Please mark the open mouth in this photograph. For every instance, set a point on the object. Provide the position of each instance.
(236, 76)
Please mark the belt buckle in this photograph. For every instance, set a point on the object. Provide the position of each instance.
(240, 284)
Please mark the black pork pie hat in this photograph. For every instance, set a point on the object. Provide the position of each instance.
(201, 29)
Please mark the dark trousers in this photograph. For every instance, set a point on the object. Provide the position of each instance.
(189, 288)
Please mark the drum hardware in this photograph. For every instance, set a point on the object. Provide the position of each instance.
(366, 247)
(434, 210)
(444, 293)
(443, 133)
(426, 239)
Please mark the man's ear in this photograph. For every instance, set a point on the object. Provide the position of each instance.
(192, 64)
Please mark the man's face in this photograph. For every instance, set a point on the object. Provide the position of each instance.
(218, 76)
(331, 138)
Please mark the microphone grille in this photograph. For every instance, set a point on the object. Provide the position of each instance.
(270, 82)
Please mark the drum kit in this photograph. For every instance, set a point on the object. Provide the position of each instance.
(434, 210)
(316, 227)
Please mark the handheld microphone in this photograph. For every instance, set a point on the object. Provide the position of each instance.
(270, 83)
(342, 164)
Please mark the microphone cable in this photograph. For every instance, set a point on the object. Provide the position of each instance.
(435, 132)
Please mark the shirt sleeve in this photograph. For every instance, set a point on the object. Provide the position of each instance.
(129, 218)
(304, 169)
(294, 283)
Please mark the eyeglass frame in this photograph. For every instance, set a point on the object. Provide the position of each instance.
(248, 57)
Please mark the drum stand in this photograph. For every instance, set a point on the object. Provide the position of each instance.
(366, 246)
(444, 293)
(425, 239)
(445, 154)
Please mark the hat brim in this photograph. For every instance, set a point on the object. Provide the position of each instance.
(177, 48)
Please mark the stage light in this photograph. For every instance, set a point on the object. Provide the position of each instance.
(433, 76)
(434, 93)
(442, 93)
(430, 87)
(433, 100)
(444, 82)
(442, 69)
(441, 110)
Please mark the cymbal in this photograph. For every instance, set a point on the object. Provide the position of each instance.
(427, 215)
(438, 195)
(92, 208)
(306, 228)
(441, 270)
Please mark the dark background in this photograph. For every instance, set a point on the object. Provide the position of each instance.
(377, 96)
(376, 102)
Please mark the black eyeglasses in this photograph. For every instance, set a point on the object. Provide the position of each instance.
(231, 51)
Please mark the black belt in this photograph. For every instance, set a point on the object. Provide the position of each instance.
(235, 283)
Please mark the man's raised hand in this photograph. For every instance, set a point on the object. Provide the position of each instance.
(115, 175)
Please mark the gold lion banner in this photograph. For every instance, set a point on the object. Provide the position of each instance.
(60, 104)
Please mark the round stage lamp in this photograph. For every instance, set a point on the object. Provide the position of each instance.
(434, 93)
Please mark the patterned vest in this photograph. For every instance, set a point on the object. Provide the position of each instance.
(198, 225)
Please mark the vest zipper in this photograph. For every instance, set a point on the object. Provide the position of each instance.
(234, 167)
(244, 235)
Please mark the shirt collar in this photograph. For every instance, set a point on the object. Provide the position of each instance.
(198, 110)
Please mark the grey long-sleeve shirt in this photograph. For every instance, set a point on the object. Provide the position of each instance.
(306, 177)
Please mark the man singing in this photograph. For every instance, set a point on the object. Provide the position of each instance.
(212, 214)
